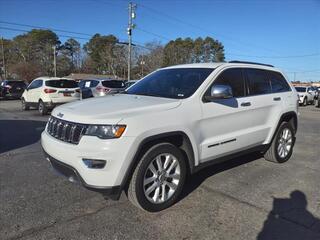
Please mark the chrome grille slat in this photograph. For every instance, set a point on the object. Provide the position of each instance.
(65, 131)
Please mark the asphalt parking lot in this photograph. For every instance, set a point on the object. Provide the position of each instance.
(245, 198)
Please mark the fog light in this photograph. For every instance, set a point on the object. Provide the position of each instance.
(94, 163)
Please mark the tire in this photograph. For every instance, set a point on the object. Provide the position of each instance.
(274, 153)
(42, 108)
(24, 105)
(137, 190)
(305, 102)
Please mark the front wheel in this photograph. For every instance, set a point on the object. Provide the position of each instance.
(282, 144)
(24, 105)
(158, 178)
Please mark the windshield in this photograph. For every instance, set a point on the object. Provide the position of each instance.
(62, 83)
(171, 83)
(300, 89)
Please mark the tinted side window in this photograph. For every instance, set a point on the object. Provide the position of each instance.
(278, 83)
(258, 81)
(88, 83)
(35, 84)
(113, 84)
(62, 83)
(232, 77)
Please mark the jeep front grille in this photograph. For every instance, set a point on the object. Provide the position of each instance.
(66, 131)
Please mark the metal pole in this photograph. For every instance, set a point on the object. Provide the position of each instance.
(54, 61)
(130, 27)
(129, 40)
(3, 59)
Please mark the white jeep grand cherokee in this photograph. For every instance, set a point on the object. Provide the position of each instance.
(169, 125)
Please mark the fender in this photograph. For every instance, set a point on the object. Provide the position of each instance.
(288, 116)
(185, 145)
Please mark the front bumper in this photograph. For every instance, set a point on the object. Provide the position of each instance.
(73, 176)
(117, 153)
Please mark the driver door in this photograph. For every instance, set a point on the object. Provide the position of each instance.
(225, 122)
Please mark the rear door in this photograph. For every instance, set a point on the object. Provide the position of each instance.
(265, 107)
(87, 87)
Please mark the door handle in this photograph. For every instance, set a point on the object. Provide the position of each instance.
(276, 98)
(246, 104)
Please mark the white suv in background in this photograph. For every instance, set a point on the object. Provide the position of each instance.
(44, 93)
(307, 95)
(170, 124)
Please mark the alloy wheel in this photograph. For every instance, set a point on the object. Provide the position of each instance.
(285, 143)
(161, 178)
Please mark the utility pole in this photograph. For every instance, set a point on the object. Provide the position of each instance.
(132, 15)
(54, 61)
(3, 60)
(294, 76)
(142, 63)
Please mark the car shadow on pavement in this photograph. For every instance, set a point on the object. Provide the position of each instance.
(19, 133)
(290, 219)
(195, 180)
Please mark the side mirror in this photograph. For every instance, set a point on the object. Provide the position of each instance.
(219, 92)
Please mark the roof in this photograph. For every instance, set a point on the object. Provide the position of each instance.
(80, 76)
(197, 65)
(101, 79)
(219, 64)
(53, 78)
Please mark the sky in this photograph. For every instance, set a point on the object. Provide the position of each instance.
(284, 33)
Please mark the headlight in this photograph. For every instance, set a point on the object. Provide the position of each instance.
(105, 131)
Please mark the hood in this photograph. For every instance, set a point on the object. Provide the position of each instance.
(112, 108)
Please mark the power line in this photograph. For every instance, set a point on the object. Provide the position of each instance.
(154, 34)
(22, 30)
(48, 28)
(237, 41)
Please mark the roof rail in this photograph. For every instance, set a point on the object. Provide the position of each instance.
(263, 64)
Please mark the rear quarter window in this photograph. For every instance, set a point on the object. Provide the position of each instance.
(62, 83)
(278, 82)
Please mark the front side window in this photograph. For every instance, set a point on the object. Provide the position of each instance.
(62, 83)
(258, 81)
(175, 83)
(233, 78)
(278, 83)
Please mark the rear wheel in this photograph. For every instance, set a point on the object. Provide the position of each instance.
(24, 105)
(158, 178)
(42, 108)
(282, 144)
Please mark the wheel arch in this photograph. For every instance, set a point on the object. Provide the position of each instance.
(290, 117)
(178, 138)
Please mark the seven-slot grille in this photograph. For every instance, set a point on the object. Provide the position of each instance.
(66, 131)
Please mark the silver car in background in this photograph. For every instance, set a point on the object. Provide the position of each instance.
(100, 87)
